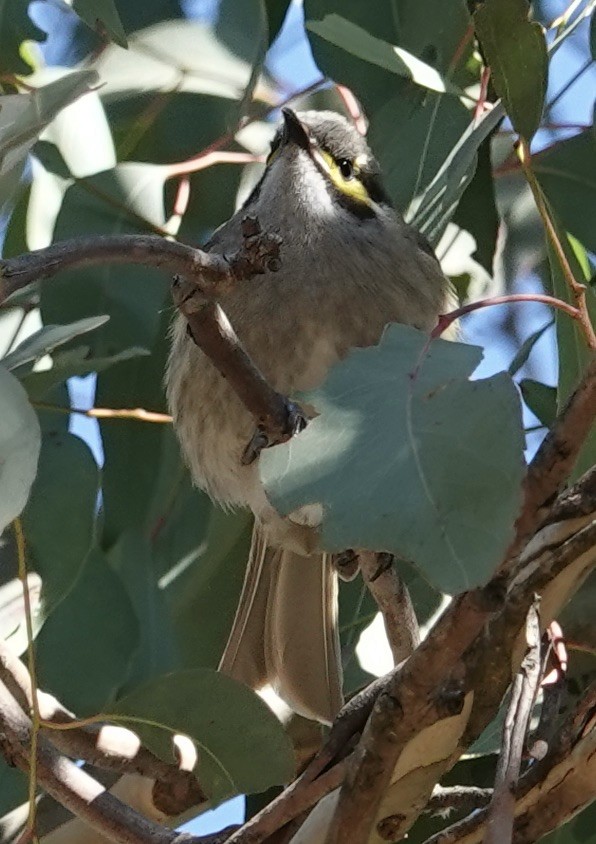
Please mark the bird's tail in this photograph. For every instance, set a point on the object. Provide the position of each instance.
(285, 630)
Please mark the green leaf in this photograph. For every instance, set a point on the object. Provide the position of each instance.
(210, 574)
(173, 55)
(579, 830)
(15, 27)
(541, 399)
(132, 557)
(19, 447)
(127, 199)
(574, 354)
(477, 212)
(567, 174)
(53, 505)
(276, 11)
(439, 456)
(440, 199)
(41, 342)
(66, 364)
(242, 746)
(360, 43)
(24, 116)
(102, 16)
(515, 49)
(97, 627)
(14, 789)
(525, 350)
(133, 450)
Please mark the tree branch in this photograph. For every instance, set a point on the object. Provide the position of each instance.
(105, 746)
(75, 789)
(418, 694)
(211, 272)
(551, 792)
(554, 461)
(393, 600)
(277, 418)
(523, 694)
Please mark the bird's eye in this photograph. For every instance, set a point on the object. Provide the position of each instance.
(346, 168)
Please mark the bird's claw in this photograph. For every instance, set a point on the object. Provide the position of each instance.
(295, 421)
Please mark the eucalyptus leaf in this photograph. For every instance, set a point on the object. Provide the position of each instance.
(102, 15)
(407, 455)
(360, 43)
(242, 746)
(42, 342)
(565, 171)
(578, 830)
(20, 441)
(515, 49)
(86, 646)
(24, 116)
(64, 493)
(276, 14)
(132, 557)
(541, 399)
(73, 362)
(525, 350)
(574, 353)
(16, 26)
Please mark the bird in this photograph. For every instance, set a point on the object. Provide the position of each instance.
(349, 265)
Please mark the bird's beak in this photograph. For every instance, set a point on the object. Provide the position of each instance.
(294, 131)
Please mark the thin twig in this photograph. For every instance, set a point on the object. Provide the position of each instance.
(73, 787)
(577, 289)
(501, 812)
(104, 746)
(393, 600)
(138, 414)
(300, 796)
(445, 320)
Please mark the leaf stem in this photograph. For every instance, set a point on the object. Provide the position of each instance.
(35, 715)
(445, 320)
(578, 290)
(139, 414)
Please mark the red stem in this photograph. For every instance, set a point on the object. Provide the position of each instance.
(445, 320)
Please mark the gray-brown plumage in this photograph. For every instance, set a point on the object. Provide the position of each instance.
(349, 265)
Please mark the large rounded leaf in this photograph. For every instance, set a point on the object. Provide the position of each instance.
(19, 447)
(242, 746)
(410, 456)
(54, 504)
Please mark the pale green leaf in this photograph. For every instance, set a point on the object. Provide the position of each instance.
(360, 43)
(242, 746)
(53, 505)
(515, 49)
(19, 447)
(41, 342)
(409, 456)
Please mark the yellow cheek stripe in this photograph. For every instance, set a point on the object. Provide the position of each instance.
(352, 188)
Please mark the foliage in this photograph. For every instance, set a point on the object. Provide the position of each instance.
(141, 572)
